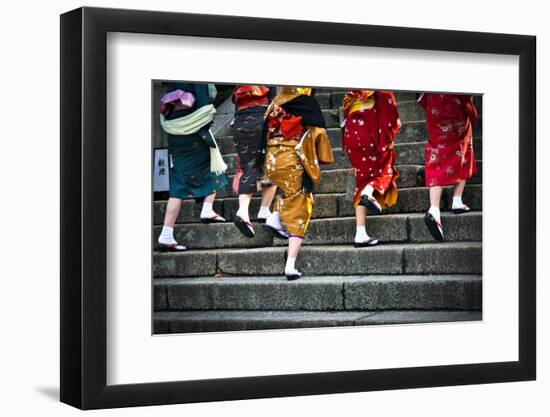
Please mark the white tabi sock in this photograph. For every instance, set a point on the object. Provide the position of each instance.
(167, 236)
(361, 234)
(243, 214)
(457, 202)
(290, 264)
(434, 211)
(368, 190)
(290, 268)
(207, 210)
(275, 220)
(264, 212)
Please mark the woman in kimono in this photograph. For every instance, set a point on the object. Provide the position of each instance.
(371, 122)
(251, 102)
(196, 167)
(295, 144)
(449, 153)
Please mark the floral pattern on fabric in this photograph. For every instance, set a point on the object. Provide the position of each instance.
(294, 151)
(449, 155)
(283, 166)
(367, 138)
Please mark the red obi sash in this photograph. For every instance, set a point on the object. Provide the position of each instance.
(246, 96)
(281, 123)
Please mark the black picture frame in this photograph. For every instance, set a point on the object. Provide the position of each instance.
(84, 207)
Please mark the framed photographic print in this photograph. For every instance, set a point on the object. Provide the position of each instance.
(256, 208)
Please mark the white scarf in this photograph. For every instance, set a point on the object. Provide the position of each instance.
(192, 123)
(187, 125)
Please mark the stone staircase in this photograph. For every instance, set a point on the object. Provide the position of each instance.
(229, 282)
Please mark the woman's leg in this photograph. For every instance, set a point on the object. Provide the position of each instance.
(208, 215)
(433, 216)
(294, 244)
(458, 206)
(459, 188)
(361, 236)
(435, 196)
(360, 216)
(173, 208)
(242, 217)
(210, 198)
(267, 198)
(166, 238)
(244, 203)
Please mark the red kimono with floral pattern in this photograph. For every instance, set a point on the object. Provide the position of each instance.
(367, 138)
(449, 151)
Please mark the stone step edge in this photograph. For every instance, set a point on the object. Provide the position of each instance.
(314, 279)
(239, 320)
(170, 314)
(344, 172)
(460, 292)
(385, 216)
(378, 216)
(385, 259)
(380, 246)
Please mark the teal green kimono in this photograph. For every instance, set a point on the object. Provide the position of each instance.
(190, 175)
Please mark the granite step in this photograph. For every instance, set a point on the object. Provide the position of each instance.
(328, 203)
(330, 293)
(218, 321)
(393, 228)
(332, 231)
(384, 259)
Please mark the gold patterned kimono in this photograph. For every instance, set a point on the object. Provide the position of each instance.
(293, 148)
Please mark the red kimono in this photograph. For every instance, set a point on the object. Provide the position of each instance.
(449, 151)
(371, 124)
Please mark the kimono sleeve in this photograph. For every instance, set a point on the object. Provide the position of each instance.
(388, 115)
(322, 146)
(471, 110)
(315, 150)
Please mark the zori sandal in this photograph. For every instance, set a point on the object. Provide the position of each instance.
(170, 247)
(214, 219)
(368, 242)
(244, 227)
(435, 228)
(460, 210)
(373, 207)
